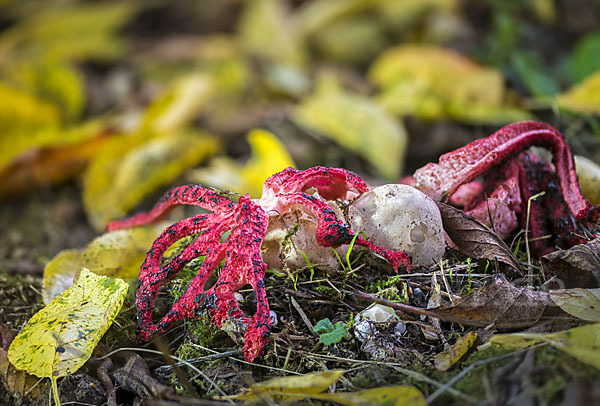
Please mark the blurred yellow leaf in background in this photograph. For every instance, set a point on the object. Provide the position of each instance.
(269, 156)
(357, 123)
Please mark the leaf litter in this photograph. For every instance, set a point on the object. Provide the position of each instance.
(267, 67)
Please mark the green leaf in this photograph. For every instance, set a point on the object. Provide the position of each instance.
(534, 74)
(359, 124)
(60, 338)
(328, 333)
(584, 59)
(323, 326)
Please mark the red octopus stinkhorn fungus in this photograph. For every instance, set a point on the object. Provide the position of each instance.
(511, 177)
(241, 251)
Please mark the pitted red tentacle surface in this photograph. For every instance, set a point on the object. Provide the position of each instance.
(240, 252)
(557, 213)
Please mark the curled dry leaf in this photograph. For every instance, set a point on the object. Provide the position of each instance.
(577, 267)
(135, 376)
(474, 238)
(500, 304)
(581, 303)
(21, 386)
(445, 360)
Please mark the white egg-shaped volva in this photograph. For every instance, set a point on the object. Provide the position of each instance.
(400, 217)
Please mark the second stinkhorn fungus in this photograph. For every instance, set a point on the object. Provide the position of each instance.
(511, 176)
(247, 220)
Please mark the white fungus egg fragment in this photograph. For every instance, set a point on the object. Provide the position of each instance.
(400, 217)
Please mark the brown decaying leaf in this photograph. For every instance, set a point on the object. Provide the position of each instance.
(577, 267)
(135, 377)
(500, 304)
(23, 387)
(47, 166)
(474, 238)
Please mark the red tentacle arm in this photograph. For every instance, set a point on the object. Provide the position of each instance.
(330, 183)
(467, 163)
(153, 276)
(240, 253)
(332, 232)
(195, 195)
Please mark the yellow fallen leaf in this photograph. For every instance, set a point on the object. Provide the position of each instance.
(384, 396)
(433, 82)
(60, 338)
(588, 173)
(357, 123)
(59, 274)
(56, 82)
(583, 97)
(179, 104)
(267, 30)
(128, 169)
(297, 386)
(69, 31)
(118, 254)
(25, 122)
(269, 156)
(313, 16)
(582, 342)
(446, 359)
(581, 303)
(351, 40)
(66, 155)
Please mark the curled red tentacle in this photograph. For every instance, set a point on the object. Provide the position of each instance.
(465, 164)
(195, 195)
(240, 252)
(498, 158)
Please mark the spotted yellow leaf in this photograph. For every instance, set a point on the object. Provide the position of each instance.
(60, 338)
